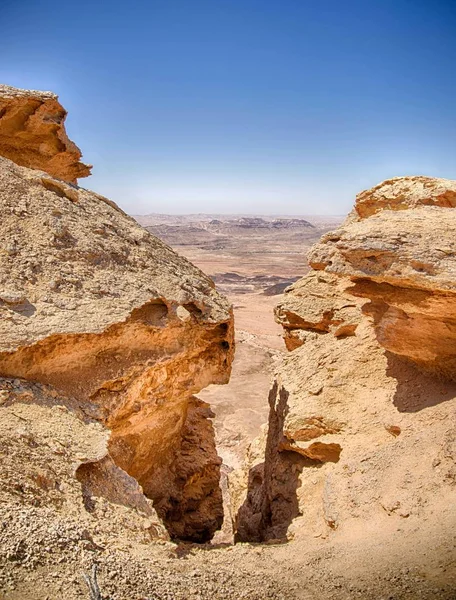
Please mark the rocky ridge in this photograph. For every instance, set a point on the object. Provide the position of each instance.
(362, 429)
(119, 329)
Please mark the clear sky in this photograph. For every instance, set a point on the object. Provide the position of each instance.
(252, 106)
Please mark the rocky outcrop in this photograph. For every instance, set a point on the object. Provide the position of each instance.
(358, 420)
(32, 134)
(404, 193)
(402, 258)
(112, 320)
(317, 303)
(54, 461)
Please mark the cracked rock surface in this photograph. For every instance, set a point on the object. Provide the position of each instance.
(113, 321)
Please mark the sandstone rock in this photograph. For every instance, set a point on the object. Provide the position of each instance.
(404, 262)
(102, 312)
(57, 447)
(350, 420)
(411, 248)
(317, 303)
(32, 134)
(402, 193)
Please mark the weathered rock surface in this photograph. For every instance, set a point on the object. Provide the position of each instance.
(403, 193)
(356, 433)
(32, 134)
(317, 303)
(108, 316)
(403, 258)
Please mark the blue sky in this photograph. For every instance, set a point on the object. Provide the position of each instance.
(252, 106)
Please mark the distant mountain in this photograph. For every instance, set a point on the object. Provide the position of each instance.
(280, 221)
(256, 223)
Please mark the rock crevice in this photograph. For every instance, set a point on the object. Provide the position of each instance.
(368, 388)
(112, 320)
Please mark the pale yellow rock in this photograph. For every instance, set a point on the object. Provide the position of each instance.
(104, 313)
(402, 193)
(317, 303)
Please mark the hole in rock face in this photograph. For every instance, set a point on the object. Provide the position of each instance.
(153, 313)
(193, 309)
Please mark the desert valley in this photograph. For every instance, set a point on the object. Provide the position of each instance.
(251, 259)
(221, 406)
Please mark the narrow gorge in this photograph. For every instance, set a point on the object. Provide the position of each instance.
(108, 455)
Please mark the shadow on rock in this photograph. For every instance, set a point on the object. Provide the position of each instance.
(272, 503)
(416, 390)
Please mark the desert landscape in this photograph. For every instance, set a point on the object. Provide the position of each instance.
(251, 259)
(221, 406)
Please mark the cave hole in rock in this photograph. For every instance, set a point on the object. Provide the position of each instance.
(153, 313)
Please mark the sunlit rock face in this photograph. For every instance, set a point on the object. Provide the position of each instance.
(368, 388)
(100, 311)
(32, 134)
(400, 252)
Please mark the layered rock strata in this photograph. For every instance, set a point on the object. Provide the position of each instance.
(362, 422)
(113, 321)
(32, 134)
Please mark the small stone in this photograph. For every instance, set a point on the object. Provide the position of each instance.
(12, 297)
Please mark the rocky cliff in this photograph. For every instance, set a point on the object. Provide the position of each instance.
(108, 322)
(362, 430)
(32, 134)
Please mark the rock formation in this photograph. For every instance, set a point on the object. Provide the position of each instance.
(362, 410)
(402, 258)
(32, 134)
(112, 322)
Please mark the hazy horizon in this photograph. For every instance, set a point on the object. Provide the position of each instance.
(254, 107)
(234, 214)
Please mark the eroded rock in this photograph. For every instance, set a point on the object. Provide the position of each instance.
(403, 193)
(98, 310)
(404, 262)
(32, 134)
(351, 421)
(317, 303)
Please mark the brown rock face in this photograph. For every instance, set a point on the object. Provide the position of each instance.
(115, 322)
(403, 260)
(32, 134)
(350, 420)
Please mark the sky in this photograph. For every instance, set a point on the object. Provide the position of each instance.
(243, 106)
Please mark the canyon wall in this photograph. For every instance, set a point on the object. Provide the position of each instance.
(111, 323)
(362, 428)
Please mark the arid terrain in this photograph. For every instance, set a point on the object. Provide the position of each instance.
(179, 446)
(252, 259)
